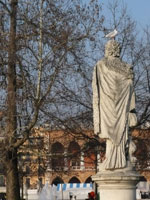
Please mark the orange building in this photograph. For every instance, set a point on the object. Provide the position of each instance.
(57, 157)
(64, 157)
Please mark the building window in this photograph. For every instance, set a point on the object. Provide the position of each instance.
(75, 163)
(74, 180)
(2, 181)
(57, 180)
(88, 180)
(90, 159)
(28, 183)
(74, 153)
(57, 160)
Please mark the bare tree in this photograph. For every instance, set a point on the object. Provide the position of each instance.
(42, 43)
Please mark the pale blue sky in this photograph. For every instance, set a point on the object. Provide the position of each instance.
(138, 9)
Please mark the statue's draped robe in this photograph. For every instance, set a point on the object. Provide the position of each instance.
(113, 100)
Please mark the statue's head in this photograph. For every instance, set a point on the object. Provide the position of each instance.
(112, 48)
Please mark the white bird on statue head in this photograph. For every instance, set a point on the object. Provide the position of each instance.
(112, 34)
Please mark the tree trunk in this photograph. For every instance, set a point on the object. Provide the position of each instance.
(12, 179)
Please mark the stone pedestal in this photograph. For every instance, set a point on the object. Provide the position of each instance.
(116, 185)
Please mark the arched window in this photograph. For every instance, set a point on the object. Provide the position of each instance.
(57, 180)
(57, 160)
(74, 180)
(90, 159)
(88, 180)
(74, 154)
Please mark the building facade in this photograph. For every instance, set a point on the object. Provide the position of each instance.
(64, 157)
(56, 157)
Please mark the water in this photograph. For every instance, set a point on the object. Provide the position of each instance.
(48, 192)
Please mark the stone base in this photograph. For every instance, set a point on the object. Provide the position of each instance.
(116, 185)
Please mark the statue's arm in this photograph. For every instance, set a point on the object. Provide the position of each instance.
(132, 119)
(96, 114)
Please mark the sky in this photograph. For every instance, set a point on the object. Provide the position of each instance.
(138, 9)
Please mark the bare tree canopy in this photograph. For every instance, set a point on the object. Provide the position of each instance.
(44, 45)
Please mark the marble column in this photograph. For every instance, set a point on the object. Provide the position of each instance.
(65, 161)
(82, 167)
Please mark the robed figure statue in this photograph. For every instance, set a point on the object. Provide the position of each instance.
(114, 106)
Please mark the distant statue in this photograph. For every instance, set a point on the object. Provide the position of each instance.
(114, 106)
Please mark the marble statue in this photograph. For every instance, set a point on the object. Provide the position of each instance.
(114, 106)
